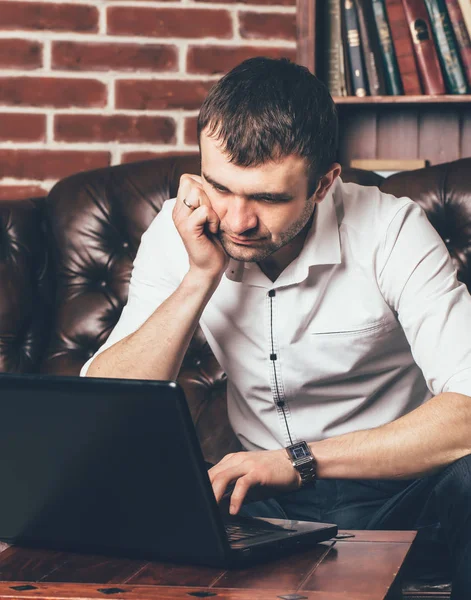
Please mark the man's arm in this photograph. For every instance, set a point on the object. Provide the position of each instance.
(425, 440)
(156, 349)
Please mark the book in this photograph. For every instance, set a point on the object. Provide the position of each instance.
(447, 51)
(388, 164)
(424, 47)
(353, 44)
(371, 48)
(462, 36)
(343, 65)
(335, 68)
(346, 59)
(403, 47)
(465, 6)
(391, 69)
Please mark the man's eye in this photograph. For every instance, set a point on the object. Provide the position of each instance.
(219, 189)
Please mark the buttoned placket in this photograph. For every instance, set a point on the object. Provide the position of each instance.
(275, 372)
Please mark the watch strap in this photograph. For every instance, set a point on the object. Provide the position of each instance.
(307, 471)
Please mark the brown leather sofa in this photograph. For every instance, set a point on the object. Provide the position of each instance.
(66, 260)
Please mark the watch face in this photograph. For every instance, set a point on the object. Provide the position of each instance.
(300, 451)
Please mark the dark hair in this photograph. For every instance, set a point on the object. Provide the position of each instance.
(267, 108)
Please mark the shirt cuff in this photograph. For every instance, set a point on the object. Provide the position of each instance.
(460, 383)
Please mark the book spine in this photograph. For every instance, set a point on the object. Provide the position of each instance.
(461, 34)
(371, 48)
(447, 50)
(346, 56)
(465, 6)
(403, 46)
(424, 47)
(391, 70)
(358, 75)
(333, 47)
(342, 64)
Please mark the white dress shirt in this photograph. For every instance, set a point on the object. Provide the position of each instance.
(366, 324)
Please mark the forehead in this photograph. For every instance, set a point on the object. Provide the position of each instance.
(289, 173)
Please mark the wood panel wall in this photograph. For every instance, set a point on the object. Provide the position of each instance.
(435, 132)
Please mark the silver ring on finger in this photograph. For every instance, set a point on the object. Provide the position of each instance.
(189, 205)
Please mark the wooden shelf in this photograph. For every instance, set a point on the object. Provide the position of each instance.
(432, 128)
(445, 99)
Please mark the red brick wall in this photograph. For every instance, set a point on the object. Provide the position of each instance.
(89, 83)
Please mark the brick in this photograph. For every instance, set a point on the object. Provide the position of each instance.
(267, 26)
(21, 54)
(209, 60)
(48, 91)
(258, 2)
(20, 192)
(190, 130)
(22, 127)
(76, 56)
(49, 164)
(169, 22)
(160, 94)
(119, 128)
(48, 16)
(129, 157)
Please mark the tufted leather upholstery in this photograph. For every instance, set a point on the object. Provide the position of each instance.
(66, 261)
(65, 264)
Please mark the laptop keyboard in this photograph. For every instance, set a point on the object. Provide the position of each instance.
(239, 528)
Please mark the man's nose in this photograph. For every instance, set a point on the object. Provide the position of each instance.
(240, 216)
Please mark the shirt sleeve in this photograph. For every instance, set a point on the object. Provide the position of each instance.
(418, 280)
(158, 270)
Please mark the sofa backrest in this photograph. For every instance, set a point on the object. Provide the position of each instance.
(66, 263)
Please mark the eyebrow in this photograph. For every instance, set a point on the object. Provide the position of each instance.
(259, 196)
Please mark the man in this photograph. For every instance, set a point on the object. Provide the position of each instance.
(334, 309)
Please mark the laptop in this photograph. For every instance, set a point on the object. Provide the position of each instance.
(114, 466)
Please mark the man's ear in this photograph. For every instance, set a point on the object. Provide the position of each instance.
(326, 182)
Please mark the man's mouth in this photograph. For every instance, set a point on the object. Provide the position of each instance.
(243, 241)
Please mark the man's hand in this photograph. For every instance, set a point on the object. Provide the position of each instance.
(261, 473)
(198, 227)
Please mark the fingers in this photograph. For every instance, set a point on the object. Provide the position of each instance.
(221, 481)
(219, 474)
(234, 468)
(191, 190)
(191, 196)
(267, 471)
(241, 490)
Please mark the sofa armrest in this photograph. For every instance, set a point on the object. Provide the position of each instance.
(26, 283)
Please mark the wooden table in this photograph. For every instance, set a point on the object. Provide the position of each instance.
(360, 568)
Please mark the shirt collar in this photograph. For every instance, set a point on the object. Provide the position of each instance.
(321, 247)
(322, 244)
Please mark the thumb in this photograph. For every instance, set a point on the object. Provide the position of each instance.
(213, 221)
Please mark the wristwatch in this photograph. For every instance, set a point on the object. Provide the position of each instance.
(304, 462)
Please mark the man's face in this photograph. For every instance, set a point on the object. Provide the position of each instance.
(262, 208)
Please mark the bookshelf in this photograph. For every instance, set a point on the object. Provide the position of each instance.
(434, 128)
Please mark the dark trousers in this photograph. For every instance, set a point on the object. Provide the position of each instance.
(438, 506)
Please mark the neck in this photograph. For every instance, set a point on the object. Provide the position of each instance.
(274, 265)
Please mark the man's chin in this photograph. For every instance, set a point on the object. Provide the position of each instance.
(245, 253)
